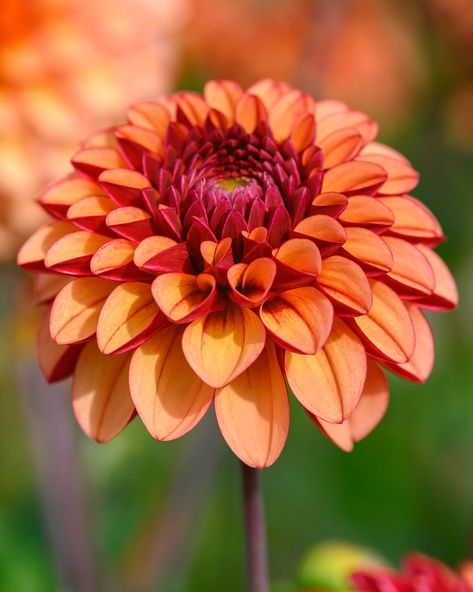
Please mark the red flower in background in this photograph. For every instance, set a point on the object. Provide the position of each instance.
(215, 247)
(419, 574)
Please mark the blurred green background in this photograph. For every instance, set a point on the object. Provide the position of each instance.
(408, 486)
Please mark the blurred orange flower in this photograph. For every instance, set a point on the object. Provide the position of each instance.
(215, 247)
(65, 66)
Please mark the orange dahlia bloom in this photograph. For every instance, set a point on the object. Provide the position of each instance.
(213, 249)
(67, 66)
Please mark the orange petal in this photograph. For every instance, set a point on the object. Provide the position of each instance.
(376, 148)
(93, 161)
(130, 222)
(57, 198)
(349, 177)
(342, 118)
(250, 284)
(411, 271)
(169, 397)
(184, 297)
(289, 108)
(329, 383)
(268, 90)
(151, 115)
(300, 320)
(193, 106)
(368, 249)
(113, 255)
(300, 254)
(123, 185)
(100, 394)
(151, 246)
(141, 136)
(387, 327)
(129, 315)
(345, 282)
(56, 361)
(370, 410)
(76, 309)
(419, 367)
(363, 210)
(224, 344)
(250, 111)
(412, 218)
(89, 212)
(72, 253)
(253, 411)
(340, 146)
(401, 176)
(329, 107)
(445, 294)
(223, 95)
(33, 252)
(323, 228)
(48, 285)
(303, 132)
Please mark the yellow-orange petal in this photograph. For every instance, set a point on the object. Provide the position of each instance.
(100, 394)
(250, 284)
(169, 396)
(150, 114)
(112, 255)
(268, 90)
(387, 327)
(184, 297)
(250, 110)
(76, 309)
(253, 411)
(93, 161)
(55, 361)
(300, 254)
(72, 252)
(289, 108)
(401, 176)
(412, 219)
(151, 246)
(47, 285)
(89, 212)
(303, 132)
(445, 293)
(128, 314)
(223, 95)
(224, 344)
(363, 210)
(194, 107)
(329, 383)
(33, 252)
(300, 319)
(370, 410)
(145, 138)
(342, 118)
(350, 177)
(340, 146)
(346, 283)
(411, 270)
(420, 365)
(323, 228)
(368, 249)
(58, 197)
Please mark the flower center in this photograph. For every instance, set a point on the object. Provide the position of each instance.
(230, 183)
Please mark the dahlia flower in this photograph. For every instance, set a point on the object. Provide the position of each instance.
(419, 574)
(67, 66)
(215, 248)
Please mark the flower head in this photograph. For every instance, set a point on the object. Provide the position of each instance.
(214, 248)
(419, 574)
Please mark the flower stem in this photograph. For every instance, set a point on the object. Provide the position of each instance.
(256, 551)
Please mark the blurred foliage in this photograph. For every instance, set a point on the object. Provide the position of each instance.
(408, 486)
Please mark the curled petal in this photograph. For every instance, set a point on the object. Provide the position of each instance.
(321, 228)
(223, 95)
(412, 219)
(300, 320)
(128, 317)
(370, 410)
(250, 284)
(224, 344)
(298, 262)
(100, 394)
(368, 249)
(340, 146)
(183, 297)
(445, 293)
(250, 110)
(351, 177)
(346, 283)
(419, 367)
(253, 411)
(329, 383)
(151, 115)
(56, 361)
(72, 253)
(363, 210)
(169, 396)
(193, 106)
(32, 253)
(387, 328)
(411, 272)
(331, 204)
(76, 309)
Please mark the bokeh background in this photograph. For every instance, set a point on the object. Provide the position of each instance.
(138, 515)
